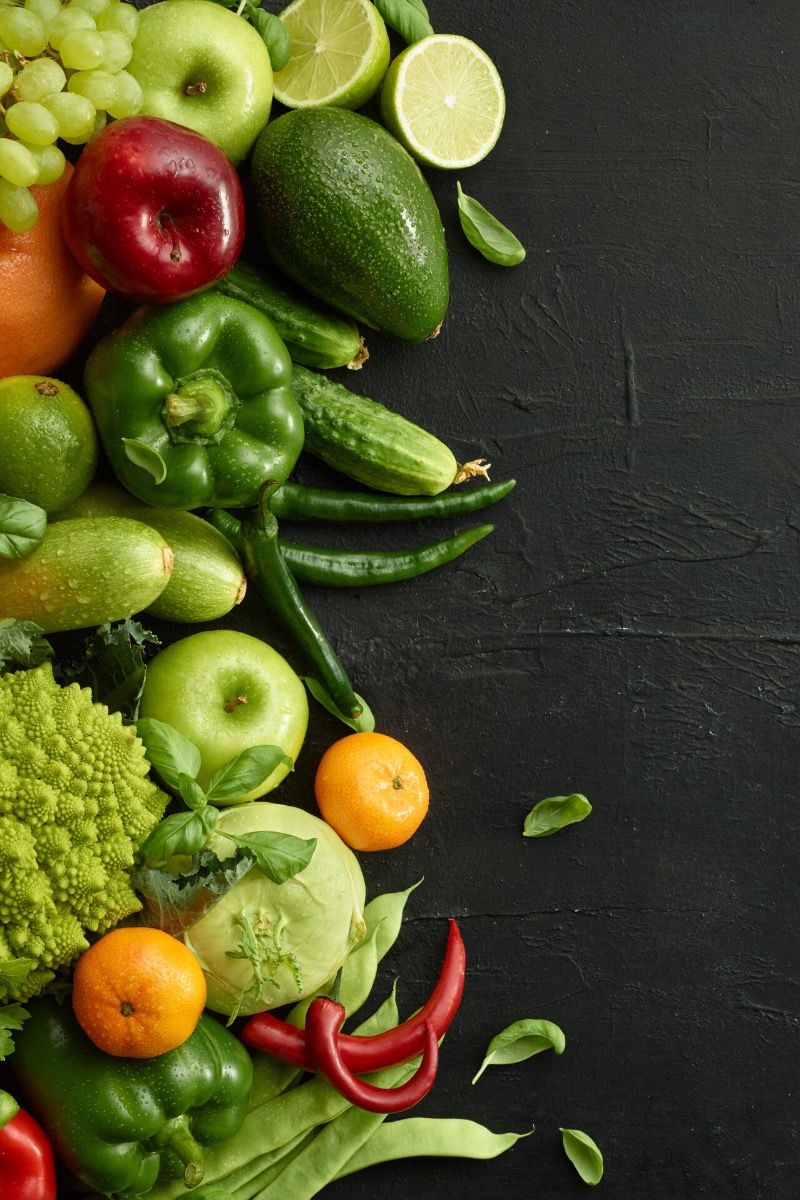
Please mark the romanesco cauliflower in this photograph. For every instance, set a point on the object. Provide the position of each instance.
(75, 803)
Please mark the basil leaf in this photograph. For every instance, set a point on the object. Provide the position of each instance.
(191, 793)
(522, 1040)
(409, 18)
(274, 35)
(182, 834)
(487, 234)
(584, 1154)
(279, 856)
(246, 771)
(22, 526)
(168, 750)
(144, 456)
(22, 645)
(548, 816)
(364, 723)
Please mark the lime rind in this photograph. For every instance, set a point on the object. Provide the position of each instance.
(443, 99)
(340, 53)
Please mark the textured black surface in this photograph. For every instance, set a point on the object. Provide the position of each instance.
(629, 630)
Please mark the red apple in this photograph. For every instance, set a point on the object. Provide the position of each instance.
(153, 211)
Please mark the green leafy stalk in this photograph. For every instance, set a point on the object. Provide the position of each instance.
(488, 235)
(548, 816)
(520, 1041)
(22, 526)
(584, 1154)
(113, 666)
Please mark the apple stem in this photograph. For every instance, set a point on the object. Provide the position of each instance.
(195, 89)
(232, 705)
(166, 223)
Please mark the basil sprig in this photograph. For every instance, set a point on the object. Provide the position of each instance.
(271, 29)
(488, 235)
(409, 18)
(520, 1041)
(22, 526)
(584, 1154)
(548, 816)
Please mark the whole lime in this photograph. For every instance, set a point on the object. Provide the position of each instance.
(49, 447)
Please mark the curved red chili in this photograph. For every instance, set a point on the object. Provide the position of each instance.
(27, 1165)
(363, 1054)
(322, 1029)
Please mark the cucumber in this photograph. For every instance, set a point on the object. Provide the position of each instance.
(347, 214)
(369, 443)
(313, 335)
(86, 572)
(207, 580)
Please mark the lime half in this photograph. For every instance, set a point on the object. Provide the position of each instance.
(444, 100)
(340, 52)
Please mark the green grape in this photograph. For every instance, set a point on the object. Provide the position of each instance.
(97, 86)
(45, 10)
(75, 115)
(50, 160)
(129, 96)
(93, 7)
(18, 209)
(38, 78)
(69, 20)
(97, 124)
(82, 50)
(118, 50)
(17, 164)
(22, 31)
(6, 78)
(122, 17)
(32, 122)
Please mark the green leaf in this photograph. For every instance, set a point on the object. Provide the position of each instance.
(365, 723)
(11, 1019)
(113, 666)
(168, 750)
(584, 1154)
(191, 793)
(274, 35)
(548, 816)
(522, 1040)
(279, 856)
(246, 771)
(22, 645)
(409, 18)
(22, 526)
(14, 971)
(173, 902)
(178, 835)
(487, 234)
(144, 456)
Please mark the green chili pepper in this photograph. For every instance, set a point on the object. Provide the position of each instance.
(301, 502)
(193, 403)
(347, 568)
(120, 1124)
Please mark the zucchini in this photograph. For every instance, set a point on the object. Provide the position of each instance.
(86, 572)
(314, 335)
(373, 445)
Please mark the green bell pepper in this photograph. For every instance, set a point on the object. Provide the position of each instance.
(120, 1124)
(193, 403)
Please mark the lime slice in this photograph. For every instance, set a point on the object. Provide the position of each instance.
(443, 99)
(340, 52)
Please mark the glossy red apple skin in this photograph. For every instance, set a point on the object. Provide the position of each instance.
(154, 211)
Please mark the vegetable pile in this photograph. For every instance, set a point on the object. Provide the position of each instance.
(179, 957)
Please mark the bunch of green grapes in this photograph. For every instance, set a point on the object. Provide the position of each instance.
(62, 74)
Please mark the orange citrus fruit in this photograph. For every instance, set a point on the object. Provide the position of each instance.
(371, 790)
(46, 302)
(138, 992)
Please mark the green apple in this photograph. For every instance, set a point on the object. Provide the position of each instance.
(203, 66)
(227, 691)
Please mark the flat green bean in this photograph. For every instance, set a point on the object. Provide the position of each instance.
(416, 1137)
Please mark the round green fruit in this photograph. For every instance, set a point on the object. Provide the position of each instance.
(227, 691)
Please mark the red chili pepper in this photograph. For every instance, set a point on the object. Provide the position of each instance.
(359, 1055)
(27, 1165)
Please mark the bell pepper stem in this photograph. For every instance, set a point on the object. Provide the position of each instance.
(175, 1135)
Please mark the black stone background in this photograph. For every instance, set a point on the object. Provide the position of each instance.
(629, 630)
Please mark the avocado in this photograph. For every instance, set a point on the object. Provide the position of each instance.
(346, 212)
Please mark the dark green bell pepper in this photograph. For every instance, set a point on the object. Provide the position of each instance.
(120, 1124)
(193, 403)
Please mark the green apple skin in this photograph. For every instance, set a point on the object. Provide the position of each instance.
(227, 691)
(181, 44)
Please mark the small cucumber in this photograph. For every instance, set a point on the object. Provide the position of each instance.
(86, 572)
(207, 580)
(314, 336)
(373, 445)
